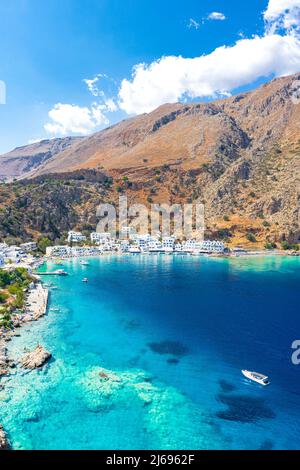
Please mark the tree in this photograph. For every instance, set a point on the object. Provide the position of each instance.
(251, 237)
(289, 246)
(3, 297)
(43, 243)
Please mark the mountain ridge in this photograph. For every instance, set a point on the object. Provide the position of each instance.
(23, 159)
(239, 156)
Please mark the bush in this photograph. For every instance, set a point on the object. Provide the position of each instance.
(4, 323)
(223, 234)
(20, 299)
(4, 278)
(3, 297)
(251, 237)
(270, 246)
(289, 246)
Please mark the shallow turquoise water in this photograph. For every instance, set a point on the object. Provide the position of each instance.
(172, 334)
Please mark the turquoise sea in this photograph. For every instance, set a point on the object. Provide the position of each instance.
(148, 354)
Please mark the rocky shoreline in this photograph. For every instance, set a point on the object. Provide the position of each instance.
(36, 307)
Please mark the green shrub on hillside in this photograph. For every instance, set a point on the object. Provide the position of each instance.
(289, 246)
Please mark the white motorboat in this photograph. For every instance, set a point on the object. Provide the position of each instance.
(85, 279)
(84, 263)
(256, 377)
(61, 272)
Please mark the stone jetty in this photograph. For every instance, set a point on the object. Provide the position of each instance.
(36, 358)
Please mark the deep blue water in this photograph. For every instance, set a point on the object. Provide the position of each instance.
(173, 334)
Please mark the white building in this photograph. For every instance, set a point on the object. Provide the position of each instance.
(29, 246)
(178, 247)
(188, 246)
(100, 238)
(59, 250)
(75, 237)
(134, 248)
(79, 251)
(168, 244)
(124, 246)
(3, 247)
(64, 251)
(143, 241)
(14, 253)
(154, 246)
(210, 246)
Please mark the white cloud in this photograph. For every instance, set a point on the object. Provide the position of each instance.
(216, 16)
(92, 84)
(193, 24)
(282, 14)
(105, 104)
(174, 78)
(110, 105)
(72, 119)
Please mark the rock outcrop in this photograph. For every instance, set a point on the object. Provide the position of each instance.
(4, 444)
(3, 357)
(36, 358)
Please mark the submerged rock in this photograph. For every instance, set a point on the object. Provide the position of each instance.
(35, 358)
(3, 357)
(173, 348)
(166, 415)
(4, 444)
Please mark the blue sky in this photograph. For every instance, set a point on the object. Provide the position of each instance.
(48, 49)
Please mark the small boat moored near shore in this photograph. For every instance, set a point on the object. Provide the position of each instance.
(256, 377)
(61, 272)
(85, 279)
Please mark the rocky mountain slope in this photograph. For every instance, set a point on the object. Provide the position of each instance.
(190, 135)
(25, 159)
(239, 156)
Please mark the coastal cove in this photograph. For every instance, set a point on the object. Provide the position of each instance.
(148, 354)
